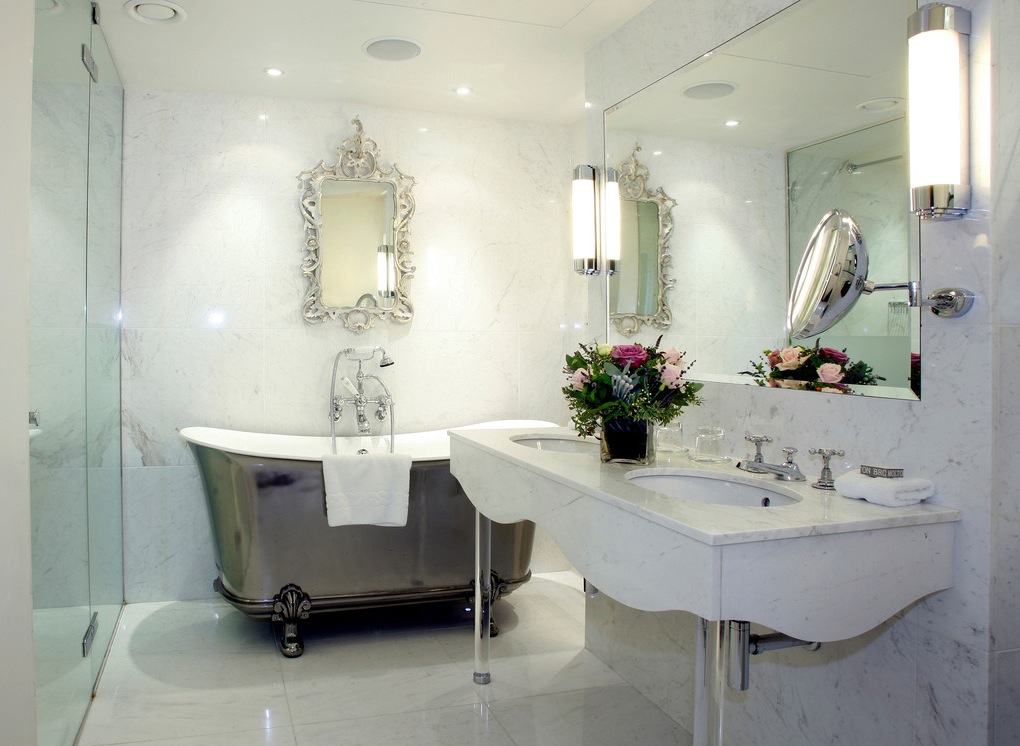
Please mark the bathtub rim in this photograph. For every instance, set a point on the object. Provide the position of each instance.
(428, 445)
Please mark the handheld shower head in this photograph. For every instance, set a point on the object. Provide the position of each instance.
(386, 359)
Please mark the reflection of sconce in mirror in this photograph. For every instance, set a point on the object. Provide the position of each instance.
(386, 271)
(834, 273)
(595, 211)
(937, 41)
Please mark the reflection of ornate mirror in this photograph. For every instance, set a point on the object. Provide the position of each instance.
(637, 290)
(357, 256)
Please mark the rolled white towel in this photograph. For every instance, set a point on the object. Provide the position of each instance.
(894, 493)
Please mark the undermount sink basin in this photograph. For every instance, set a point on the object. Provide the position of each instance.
(558, 443)
(711, 488)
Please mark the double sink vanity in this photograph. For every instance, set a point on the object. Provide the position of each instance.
(707, 539)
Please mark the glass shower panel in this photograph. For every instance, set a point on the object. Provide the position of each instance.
(60, 567)
(75, 363)
(102, 344)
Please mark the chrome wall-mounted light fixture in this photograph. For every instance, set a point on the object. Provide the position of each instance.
(595, 211)
(938, 41)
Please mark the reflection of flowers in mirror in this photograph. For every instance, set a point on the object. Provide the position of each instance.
(812, 369)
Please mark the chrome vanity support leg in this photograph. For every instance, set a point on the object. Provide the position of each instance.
(483, 597)
(710, 682)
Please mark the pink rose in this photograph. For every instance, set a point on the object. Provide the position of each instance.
(673, 356)
(634, 355)
(672, 375)
(830, 373)
(579, 378)
(835, 356)
(789, 358)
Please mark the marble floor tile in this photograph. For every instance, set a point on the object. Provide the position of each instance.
(161, 695)
(196, 626)
(199, 673)
(262, 737)
(606, 716)
(455, 725)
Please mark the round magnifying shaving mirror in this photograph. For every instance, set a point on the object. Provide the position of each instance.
(832, 275)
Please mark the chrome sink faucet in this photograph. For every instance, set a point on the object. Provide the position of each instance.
(788, 471)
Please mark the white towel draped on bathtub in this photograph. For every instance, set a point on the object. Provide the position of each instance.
(367, 489)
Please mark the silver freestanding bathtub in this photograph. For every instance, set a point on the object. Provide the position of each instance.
(278, 559)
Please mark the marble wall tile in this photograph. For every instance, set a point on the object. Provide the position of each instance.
(212, 285)
(1006, 726)
(175, 378)
(168, 544)
(953, 687)
(802, 697)
(1006, 508)
(631, 643)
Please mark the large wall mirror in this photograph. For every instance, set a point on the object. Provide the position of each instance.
(357, 256)
(756, 141)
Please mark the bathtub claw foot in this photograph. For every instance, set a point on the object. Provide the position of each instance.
(290, 605)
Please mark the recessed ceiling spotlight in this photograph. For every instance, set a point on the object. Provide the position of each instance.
(710, 89)
(392, 48)
(732, 123)
(462, 90)
(881, 104)
(155, 11)
(274, 72)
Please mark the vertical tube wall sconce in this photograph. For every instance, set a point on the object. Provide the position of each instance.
(611, 223)
(938, 40)
(584, 212)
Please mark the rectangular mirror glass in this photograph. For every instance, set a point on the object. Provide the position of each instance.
(814, 88)
(357, 220)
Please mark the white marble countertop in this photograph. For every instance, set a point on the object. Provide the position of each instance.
(817, 512)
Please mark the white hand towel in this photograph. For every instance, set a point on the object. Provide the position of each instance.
(367, 489)
(893, 493)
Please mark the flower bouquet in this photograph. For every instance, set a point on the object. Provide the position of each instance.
(621, 390)
(812, 369)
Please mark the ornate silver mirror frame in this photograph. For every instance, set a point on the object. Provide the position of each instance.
(358, 161)
(633, 181)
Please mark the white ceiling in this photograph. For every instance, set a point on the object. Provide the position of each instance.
(523, 59)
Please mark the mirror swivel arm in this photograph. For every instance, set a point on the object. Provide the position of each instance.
(945, 302)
